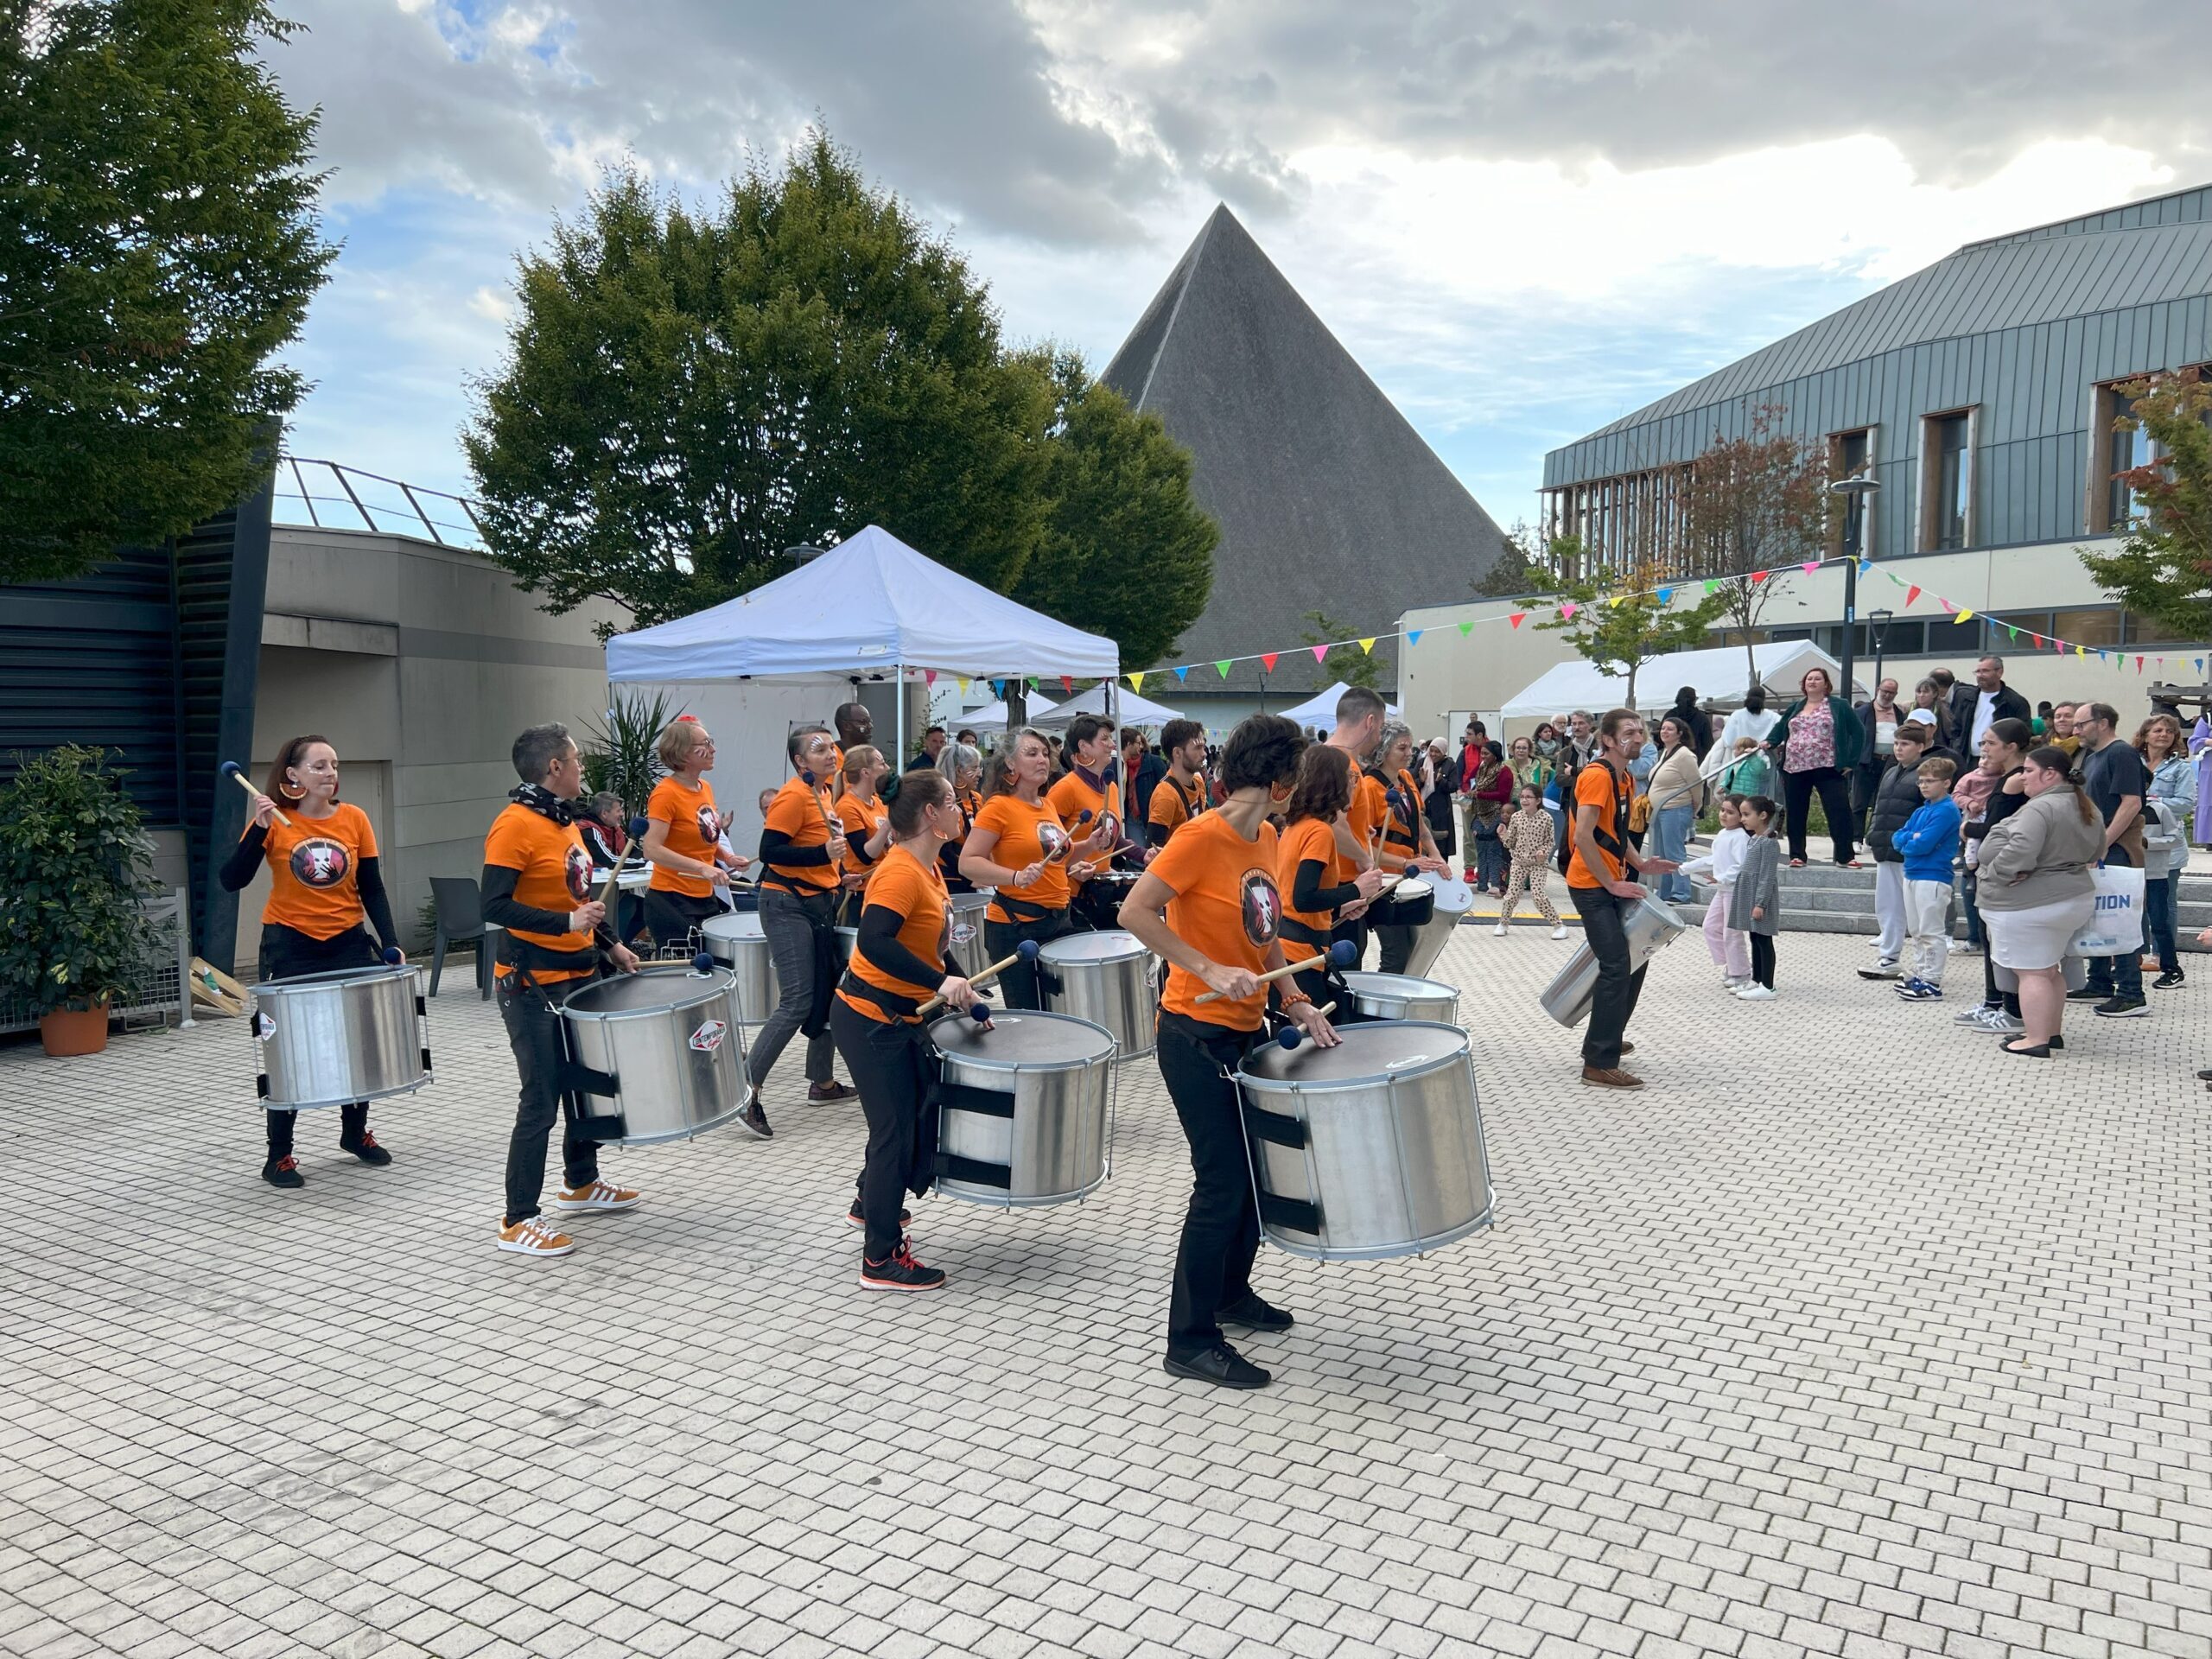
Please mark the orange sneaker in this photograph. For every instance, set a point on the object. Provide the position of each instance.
(534, 1238)
(600, 1195)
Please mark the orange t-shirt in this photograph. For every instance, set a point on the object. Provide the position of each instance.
(1026, 834)
(1595, 785)
(1071, 798)
(1309, 838)
(1402, 823)
(861, 821)
(902, 882)
(552, 872)
(693, 830)
(1227, 906)
(1170, 808)
(314, 871)
(797, 812)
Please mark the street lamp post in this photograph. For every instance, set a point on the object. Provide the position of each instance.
(1856, 490)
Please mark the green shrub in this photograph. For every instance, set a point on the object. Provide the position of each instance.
(75, 867)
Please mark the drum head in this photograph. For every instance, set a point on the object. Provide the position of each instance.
(1111, 945)
(744, 925)
(1452, 895)
(1397, 985)
(1023, 1039)
(1412, 887)
(332, 977)
(1369, 1053)
(674, 986)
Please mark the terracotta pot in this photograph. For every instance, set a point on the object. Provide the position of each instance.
(74, 1031)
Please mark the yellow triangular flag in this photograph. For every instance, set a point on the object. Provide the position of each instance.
(1367, 646)
(1615, 601)
(963, 684)
(1136, 682)
(1963, 616)
(2078, 651)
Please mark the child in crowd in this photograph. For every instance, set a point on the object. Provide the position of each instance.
(1730, 948)
(1747, 773)
(1755, 907)
(1930, 841)
(1527, 838)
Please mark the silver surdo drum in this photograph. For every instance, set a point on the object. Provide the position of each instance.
(1025, 1108)
(1453, 900)
(1403, 996)
(1651, 926)
(1105, 978)
(965, 940)
(658, 1054)
(1370, 1149)
(330, 1039)
(739, 944)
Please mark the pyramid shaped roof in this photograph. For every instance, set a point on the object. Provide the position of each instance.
(1327, 499)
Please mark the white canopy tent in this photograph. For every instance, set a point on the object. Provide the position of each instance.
(869, 606)
(991, 717)
(1716, 672)
(1320, 710)
(1130, 709)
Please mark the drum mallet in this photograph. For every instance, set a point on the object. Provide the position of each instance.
(392, 957)
(1290, 1036)
(236, 772)
(637, 826)
(1067, 846)
(703, 963)
(1341, 954)
(1026, 951)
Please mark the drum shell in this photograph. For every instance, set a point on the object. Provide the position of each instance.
(666, 1088)
(966, 945)
(1404, 996)
(849, 940)
(1098, 901)
(1451, 904)
(330, 1039)
(1395, 1163)
(1410, 903)
(1117, 993)
(1651, 926)
(739, 944)
(1055, 1145)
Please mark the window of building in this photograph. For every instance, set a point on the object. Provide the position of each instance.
(2094, 626)
(1946, 481)
(1849, 454)
(2119, 450)
(2137, 631)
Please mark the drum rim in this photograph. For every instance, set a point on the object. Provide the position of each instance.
(1354, 977)
(1340, 1085)
(330, 977)
(1138, 948)
(718, 982)
(963, 1056)
(731, 925)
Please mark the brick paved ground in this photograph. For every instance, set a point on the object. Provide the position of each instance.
(1849, 1336)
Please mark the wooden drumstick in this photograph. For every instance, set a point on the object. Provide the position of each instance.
(1341, 955)
(1026, 951)
(236, 772)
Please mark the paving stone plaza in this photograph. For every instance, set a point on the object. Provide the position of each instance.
(1847, 1336)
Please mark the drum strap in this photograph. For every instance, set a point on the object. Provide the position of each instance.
(900, 1008)
(1274, 1128)
(1021, 910)
(941, 1097)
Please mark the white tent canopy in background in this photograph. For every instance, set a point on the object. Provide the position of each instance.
(1130, 709)
(991, 717)
(867, 605)
(1717, 673)
(1320, 710)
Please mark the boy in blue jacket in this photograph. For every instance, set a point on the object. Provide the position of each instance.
(1930, 841)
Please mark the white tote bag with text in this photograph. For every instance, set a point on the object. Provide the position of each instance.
(2115, 927)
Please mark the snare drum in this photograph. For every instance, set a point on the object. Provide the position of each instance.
(1452, 900)
(966, 945)
(739, 944)
(1105, 978)
(1026, 1115)
(1651, 926)
(661, 1053)
(1098, 901)
(1403, 996)
(1370, 1149)
(330, 1039)
(1410, 903)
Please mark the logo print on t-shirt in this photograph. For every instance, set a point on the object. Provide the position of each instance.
(1113, 825)
(578, 872)
(320, 863)
(1053, 839)
(1261, 908)
(711, 827)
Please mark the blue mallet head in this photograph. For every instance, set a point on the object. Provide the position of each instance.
(979, 1014)
(637, 826)
(1289, 1037)
(1393, 798)
(702, 963)
(1027, 950)
(808, 778)
(1343, 954)
(1082, 818)
(391, 955)
(232, 769)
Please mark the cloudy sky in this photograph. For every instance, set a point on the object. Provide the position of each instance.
(1523, 221)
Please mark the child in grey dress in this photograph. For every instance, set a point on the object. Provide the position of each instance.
(1755, 906)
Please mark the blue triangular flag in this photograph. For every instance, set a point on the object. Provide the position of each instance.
(1412, 635)
(998, 689)
(1666, 595)
(1183, 673)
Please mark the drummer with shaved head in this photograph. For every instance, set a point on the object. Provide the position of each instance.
(553, 942)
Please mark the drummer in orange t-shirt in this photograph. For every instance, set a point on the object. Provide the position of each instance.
(865, 816)
(1407, 845)
(1360, 725)
(1210, 905)
(683, 837)
(898, 962)
(1019, 845)
(1317, 910)
(1181, 795)
(325, 892)
(1597, 876)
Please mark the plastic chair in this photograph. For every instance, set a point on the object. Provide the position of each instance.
(460, 907)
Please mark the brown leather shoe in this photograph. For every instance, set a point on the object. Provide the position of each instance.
(1610, 1077)
(821, 1093)
(1628, 1048)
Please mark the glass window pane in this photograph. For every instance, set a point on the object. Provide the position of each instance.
(2093, 627)
(2148, 631)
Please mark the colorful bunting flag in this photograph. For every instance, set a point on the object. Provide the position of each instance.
(1182, 675)
(1268, 660)
(1711, 586)
(962, 682)
(1965, 615)
(1615, 601)
(1066, 685)
(1466, 628)
(2012, 632)
(1760, 576)
(2138, 664)
(1666, 596)
(1412, 635)
(1912, 593)
(1367, 647)
(2038, 640)
(1809, 566)
(1517, 619)
(929, 676)
(998, 689)
(1222, 667)
(1567, 611)
(1136, 683)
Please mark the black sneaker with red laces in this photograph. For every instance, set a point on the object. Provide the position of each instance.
(282, 1172)
(900, 1272)
(365, 1150)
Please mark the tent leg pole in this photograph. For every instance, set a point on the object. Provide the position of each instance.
(899, 761)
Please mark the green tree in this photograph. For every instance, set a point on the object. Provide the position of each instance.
(1622, 627)
(1521, 571)
(1126, 552)
(1348, 662)
(158, 243)
(2163, 568)
(686, 394)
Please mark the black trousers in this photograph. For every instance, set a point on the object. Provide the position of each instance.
(287, 953)
(672, 917)
(1604, 925)
(1397, 946)
(1221, 1228)
(534, 1034)
(1797, 789)
(1019, 986)
(1762, 959)
(889, 1065)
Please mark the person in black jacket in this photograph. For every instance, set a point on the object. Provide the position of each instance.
(1896, 798)
(1972, 708)
(1695, 720)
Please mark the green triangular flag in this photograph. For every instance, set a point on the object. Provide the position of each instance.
(1711, 587)
(1466, 628)
(1222, 667)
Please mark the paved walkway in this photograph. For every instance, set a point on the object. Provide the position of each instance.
(1849, 1336)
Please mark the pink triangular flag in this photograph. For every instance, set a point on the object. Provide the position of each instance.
(1320, 653)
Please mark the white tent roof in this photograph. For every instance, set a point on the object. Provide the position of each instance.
(1129, 708)
(1718, 673)
(991, 717)
(1320, 708)
(871, 603)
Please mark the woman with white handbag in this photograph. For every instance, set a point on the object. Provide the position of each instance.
(2036, 892)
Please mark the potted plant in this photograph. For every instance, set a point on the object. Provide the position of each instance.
(75, 863)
